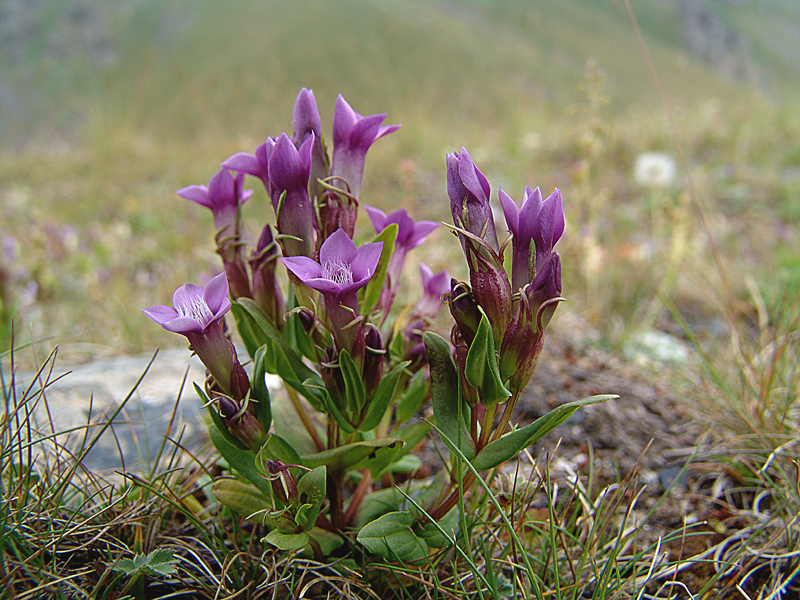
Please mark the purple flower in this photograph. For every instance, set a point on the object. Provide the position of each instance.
(353, 134)
(306, 122)
(224, 195)
(433, 287)
(409, 236)
(472, 215)
(341, 271)
(252, 164)
(536, 227)
(469, 192)
(289, 169)
(197, 313)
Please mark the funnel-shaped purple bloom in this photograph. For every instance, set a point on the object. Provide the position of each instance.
(353, 134)
(410, 234)
(536, 226)
(223, 196)
(289, 169)
(341, 271)
(433, 287)
(252, 164)
(469, 193)
(197, 313)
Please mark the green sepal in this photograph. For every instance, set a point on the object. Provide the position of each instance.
(312, 484)
(280, 359)
(344, 457)
(446, 393)
(412, 398)
(354, 390)
(287, 541)
(260, 391)
(369, 295)
(497, 452)
(391, 536)
(382, 397)
(243, 498)
(482, 370)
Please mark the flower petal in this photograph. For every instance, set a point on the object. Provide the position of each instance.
(305, 268)
(197, 194)
(337, 248)
(378, 218)
(365, 261)
(216, 292)
(243, 162)
(160, 314)
(183, 325)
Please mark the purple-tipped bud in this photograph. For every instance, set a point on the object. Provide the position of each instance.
(289, 170)
(283, 484)
(469, 192)
(266, 288)
(242, 424)
(374, 359)
(306, 122)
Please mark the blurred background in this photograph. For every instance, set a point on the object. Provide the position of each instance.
(106, 108)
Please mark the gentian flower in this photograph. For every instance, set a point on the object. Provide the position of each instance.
(252, 164)
(341, 271)
(306, 122)
(353, 134)
(536, 227)
(469, 193)
(224, 196)
(288, 170)
(409, 236)
(197, 314)
(433, 287)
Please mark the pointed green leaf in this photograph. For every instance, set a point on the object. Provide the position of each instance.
(353, 383)
(260, 391)
(369, 295)
(344, 457)
(433, 536)
(382, 397)
(280, 358)
(311, 489)
(446, 393)
(497, 452)
(287, 541)
(412, 397)
(482, 370)
(243, 498)
(391, 536)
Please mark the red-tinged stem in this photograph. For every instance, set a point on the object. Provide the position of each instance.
(304, 418)
(358, 496)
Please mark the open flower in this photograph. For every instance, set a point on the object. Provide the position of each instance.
(252, 164)
(410, 234)
(197, 314)
(289, 168)
(353, 134)
(433, 287)
(536, 226)
(223, 196)
(341, 271)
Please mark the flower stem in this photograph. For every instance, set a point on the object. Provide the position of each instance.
(301, 412)
(358, 495)
(509, 410)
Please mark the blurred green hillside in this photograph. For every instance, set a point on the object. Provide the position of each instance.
(107, 107)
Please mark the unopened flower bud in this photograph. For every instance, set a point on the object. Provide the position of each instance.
(464, 310)
(283, 484)
(374, 358)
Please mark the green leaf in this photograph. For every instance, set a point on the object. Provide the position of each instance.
(336, 413)
(293, 331)
(327, 540)
(369, 295)
(157, 562)
(382, 397)
(412, 398)
(411, 435)
(260, 391)
(277, 448)
(378, 504)
(289, 427)
(446, 393)
(497, 452)
(354, 390)
(287, 541)
(280, 358)
(240, 497)
(482, 370)
(391, 536)
(344, 457)
(312, 484)
(432, 534)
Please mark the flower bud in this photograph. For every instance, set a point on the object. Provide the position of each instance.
(283, 484)
(464, 310)
(374, 359)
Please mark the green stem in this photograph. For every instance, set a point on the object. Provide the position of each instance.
(304, 418)
(509, 410)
